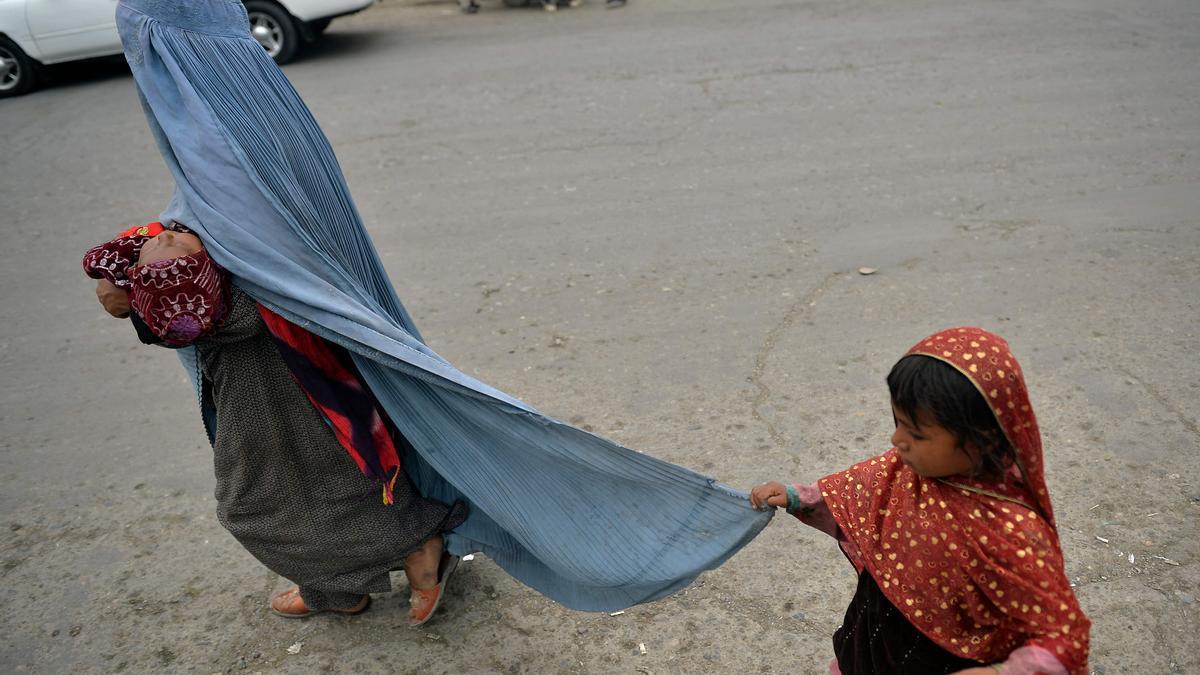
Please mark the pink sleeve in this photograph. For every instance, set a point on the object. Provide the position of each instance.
(813, 511)
(1032, 660)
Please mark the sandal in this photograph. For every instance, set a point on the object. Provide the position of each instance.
(431, 597)
(290, 605)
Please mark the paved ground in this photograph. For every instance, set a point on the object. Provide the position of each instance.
(648, 221)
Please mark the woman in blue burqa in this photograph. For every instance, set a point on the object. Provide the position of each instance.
(303, 335)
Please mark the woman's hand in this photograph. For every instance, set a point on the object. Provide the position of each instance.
(114, 300)
(770, 494)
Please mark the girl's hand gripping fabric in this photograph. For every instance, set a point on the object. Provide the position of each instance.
(769, 494)
(803, 501)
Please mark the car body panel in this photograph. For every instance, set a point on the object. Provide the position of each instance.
(14, 26)
(54, 31)
(66, 30)
(311, 10)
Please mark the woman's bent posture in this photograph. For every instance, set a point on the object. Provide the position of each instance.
(292, 422)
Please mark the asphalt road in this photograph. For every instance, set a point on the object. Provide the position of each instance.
(648, 222)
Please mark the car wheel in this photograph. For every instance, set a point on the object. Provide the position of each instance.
(274, 29)
(17, 75)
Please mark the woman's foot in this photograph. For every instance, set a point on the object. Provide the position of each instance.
(427, 570)
(424, 602)
(290, 604)
(421, 566)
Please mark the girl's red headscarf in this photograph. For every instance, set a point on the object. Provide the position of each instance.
(974, 564)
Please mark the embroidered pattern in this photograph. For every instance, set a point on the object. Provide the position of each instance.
(180, 299)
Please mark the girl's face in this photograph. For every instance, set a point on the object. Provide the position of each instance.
(167, 245)
(929, 448)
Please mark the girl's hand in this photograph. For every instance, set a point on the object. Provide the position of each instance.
(769, 494)
(114, 300)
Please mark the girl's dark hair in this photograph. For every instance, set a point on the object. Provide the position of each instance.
(923, 384)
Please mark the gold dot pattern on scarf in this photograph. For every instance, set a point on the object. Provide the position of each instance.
(974, 565)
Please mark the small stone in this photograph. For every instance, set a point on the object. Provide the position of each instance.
(295, 648)
(866, 271)
(1185, 598)
(75, 630)
(799, 616)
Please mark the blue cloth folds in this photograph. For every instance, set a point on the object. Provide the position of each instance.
(593, 525)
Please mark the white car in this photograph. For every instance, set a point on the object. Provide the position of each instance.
(34, 33)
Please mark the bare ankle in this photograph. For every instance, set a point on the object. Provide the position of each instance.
(421, 566)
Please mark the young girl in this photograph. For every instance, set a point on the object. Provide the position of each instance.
(951, 531)
(292, 420)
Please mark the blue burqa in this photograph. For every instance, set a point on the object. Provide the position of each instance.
(593, 525)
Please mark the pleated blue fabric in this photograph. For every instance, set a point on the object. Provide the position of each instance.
(589, 523)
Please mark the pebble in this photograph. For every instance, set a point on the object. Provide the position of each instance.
(1185, 598)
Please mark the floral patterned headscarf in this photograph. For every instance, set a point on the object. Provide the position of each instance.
(112, 259)
(179, 299)
(974, 564)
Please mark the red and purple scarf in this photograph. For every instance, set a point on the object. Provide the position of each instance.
(329, 377)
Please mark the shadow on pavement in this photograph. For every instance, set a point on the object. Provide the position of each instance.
(338, 45)
(82, 72)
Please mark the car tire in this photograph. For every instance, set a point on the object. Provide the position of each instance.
(18, 73)
(274, 29)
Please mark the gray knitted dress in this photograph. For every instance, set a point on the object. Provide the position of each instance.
(287, 490)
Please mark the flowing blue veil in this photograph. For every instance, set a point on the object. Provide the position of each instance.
(592, 525)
